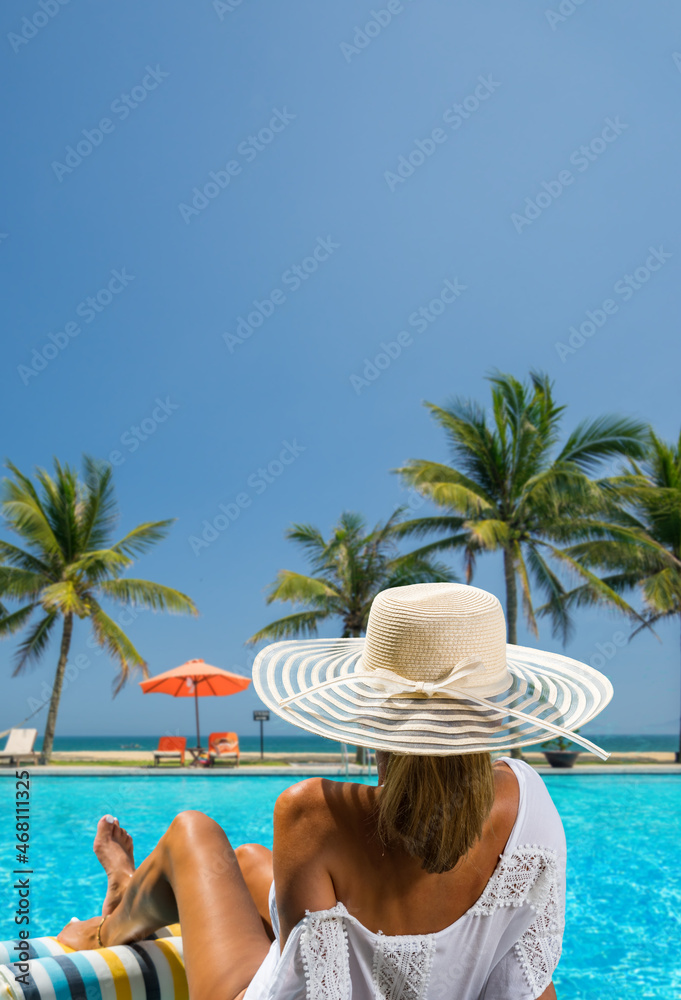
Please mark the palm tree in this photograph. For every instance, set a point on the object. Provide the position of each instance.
(348, 570)
(512, 489)
(652, 496)
(68, 564)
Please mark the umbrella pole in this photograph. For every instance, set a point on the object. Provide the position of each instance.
(196, 706)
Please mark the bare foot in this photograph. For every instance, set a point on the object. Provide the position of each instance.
(81, 935)
(113, 847)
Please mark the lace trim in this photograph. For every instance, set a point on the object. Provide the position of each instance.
(402, 967)
(530, 875)
(527, 875)
(539, 948)
(324, 950)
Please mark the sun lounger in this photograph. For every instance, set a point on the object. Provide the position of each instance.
(19, 747)
(170, 748)
(223, 746)
(150, 968)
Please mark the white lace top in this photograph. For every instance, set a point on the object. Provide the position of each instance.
(505, 947)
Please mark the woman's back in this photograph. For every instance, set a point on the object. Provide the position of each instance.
(388, 889)
(377, 925)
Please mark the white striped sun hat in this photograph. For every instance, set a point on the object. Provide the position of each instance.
(434, 675)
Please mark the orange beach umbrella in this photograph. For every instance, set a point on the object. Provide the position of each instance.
(195, 679)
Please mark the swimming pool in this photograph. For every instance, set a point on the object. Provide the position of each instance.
(623, 832)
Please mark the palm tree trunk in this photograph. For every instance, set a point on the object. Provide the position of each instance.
(511, 615)
(51, 723)
(678, 752)
(511, 598)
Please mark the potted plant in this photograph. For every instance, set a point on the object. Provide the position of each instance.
(558, 752)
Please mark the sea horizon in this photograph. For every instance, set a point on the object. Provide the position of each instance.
(613, 742)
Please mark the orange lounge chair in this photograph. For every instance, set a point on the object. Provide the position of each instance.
(170, 747)
(223, 746)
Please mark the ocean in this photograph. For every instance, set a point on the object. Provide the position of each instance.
(661, 742)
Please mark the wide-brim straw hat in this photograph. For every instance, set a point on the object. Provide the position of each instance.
(434, 675)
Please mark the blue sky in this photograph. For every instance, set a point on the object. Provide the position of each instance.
(356, 163)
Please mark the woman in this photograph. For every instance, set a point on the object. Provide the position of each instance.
(446, 880)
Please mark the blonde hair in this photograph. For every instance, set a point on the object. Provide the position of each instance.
(435, 807)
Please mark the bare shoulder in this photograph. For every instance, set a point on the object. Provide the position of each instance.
(299, 799)
(304, 804)
(303, 846)
(507, 791)
(503, 772)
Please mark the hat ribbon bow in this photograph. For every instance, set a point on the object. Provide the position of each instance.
(450, 683)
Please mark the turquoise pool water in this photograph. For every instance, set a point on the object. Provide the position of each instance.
(623, 832)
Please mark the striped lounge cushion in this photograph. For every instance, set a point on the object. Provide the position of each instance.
(148, 970)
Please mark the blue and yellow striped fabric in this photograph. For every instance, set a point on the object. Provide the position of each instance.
(148, 970)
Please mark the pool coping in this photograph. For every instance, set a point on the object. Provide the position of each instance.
(308, 770)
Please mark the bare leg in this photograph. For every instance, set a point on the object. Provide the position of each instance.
(192, 874)
(256, 867)
(113, 847)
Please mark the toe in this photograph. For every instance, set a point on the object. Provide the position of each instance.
(105, 829)
(120, 835)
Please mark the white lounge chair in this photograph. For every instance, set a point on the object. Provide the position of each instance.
(19, 746)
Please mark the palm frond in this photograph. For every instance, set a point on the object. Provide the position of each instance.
(420, 526)
(413, 568)
(143, 537)
(15, 556)
(24, 513)
(301, 623)
(14, 622)
(17, 584)
(446, 486)
(662, 592)
(35, 643)
(550, 586)
(100, 509)
(593, 441)
(100, 564)
(298, 588)
(145, 594)
(113, 639)
(61, 501)
(525, 589)
(596, 591)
